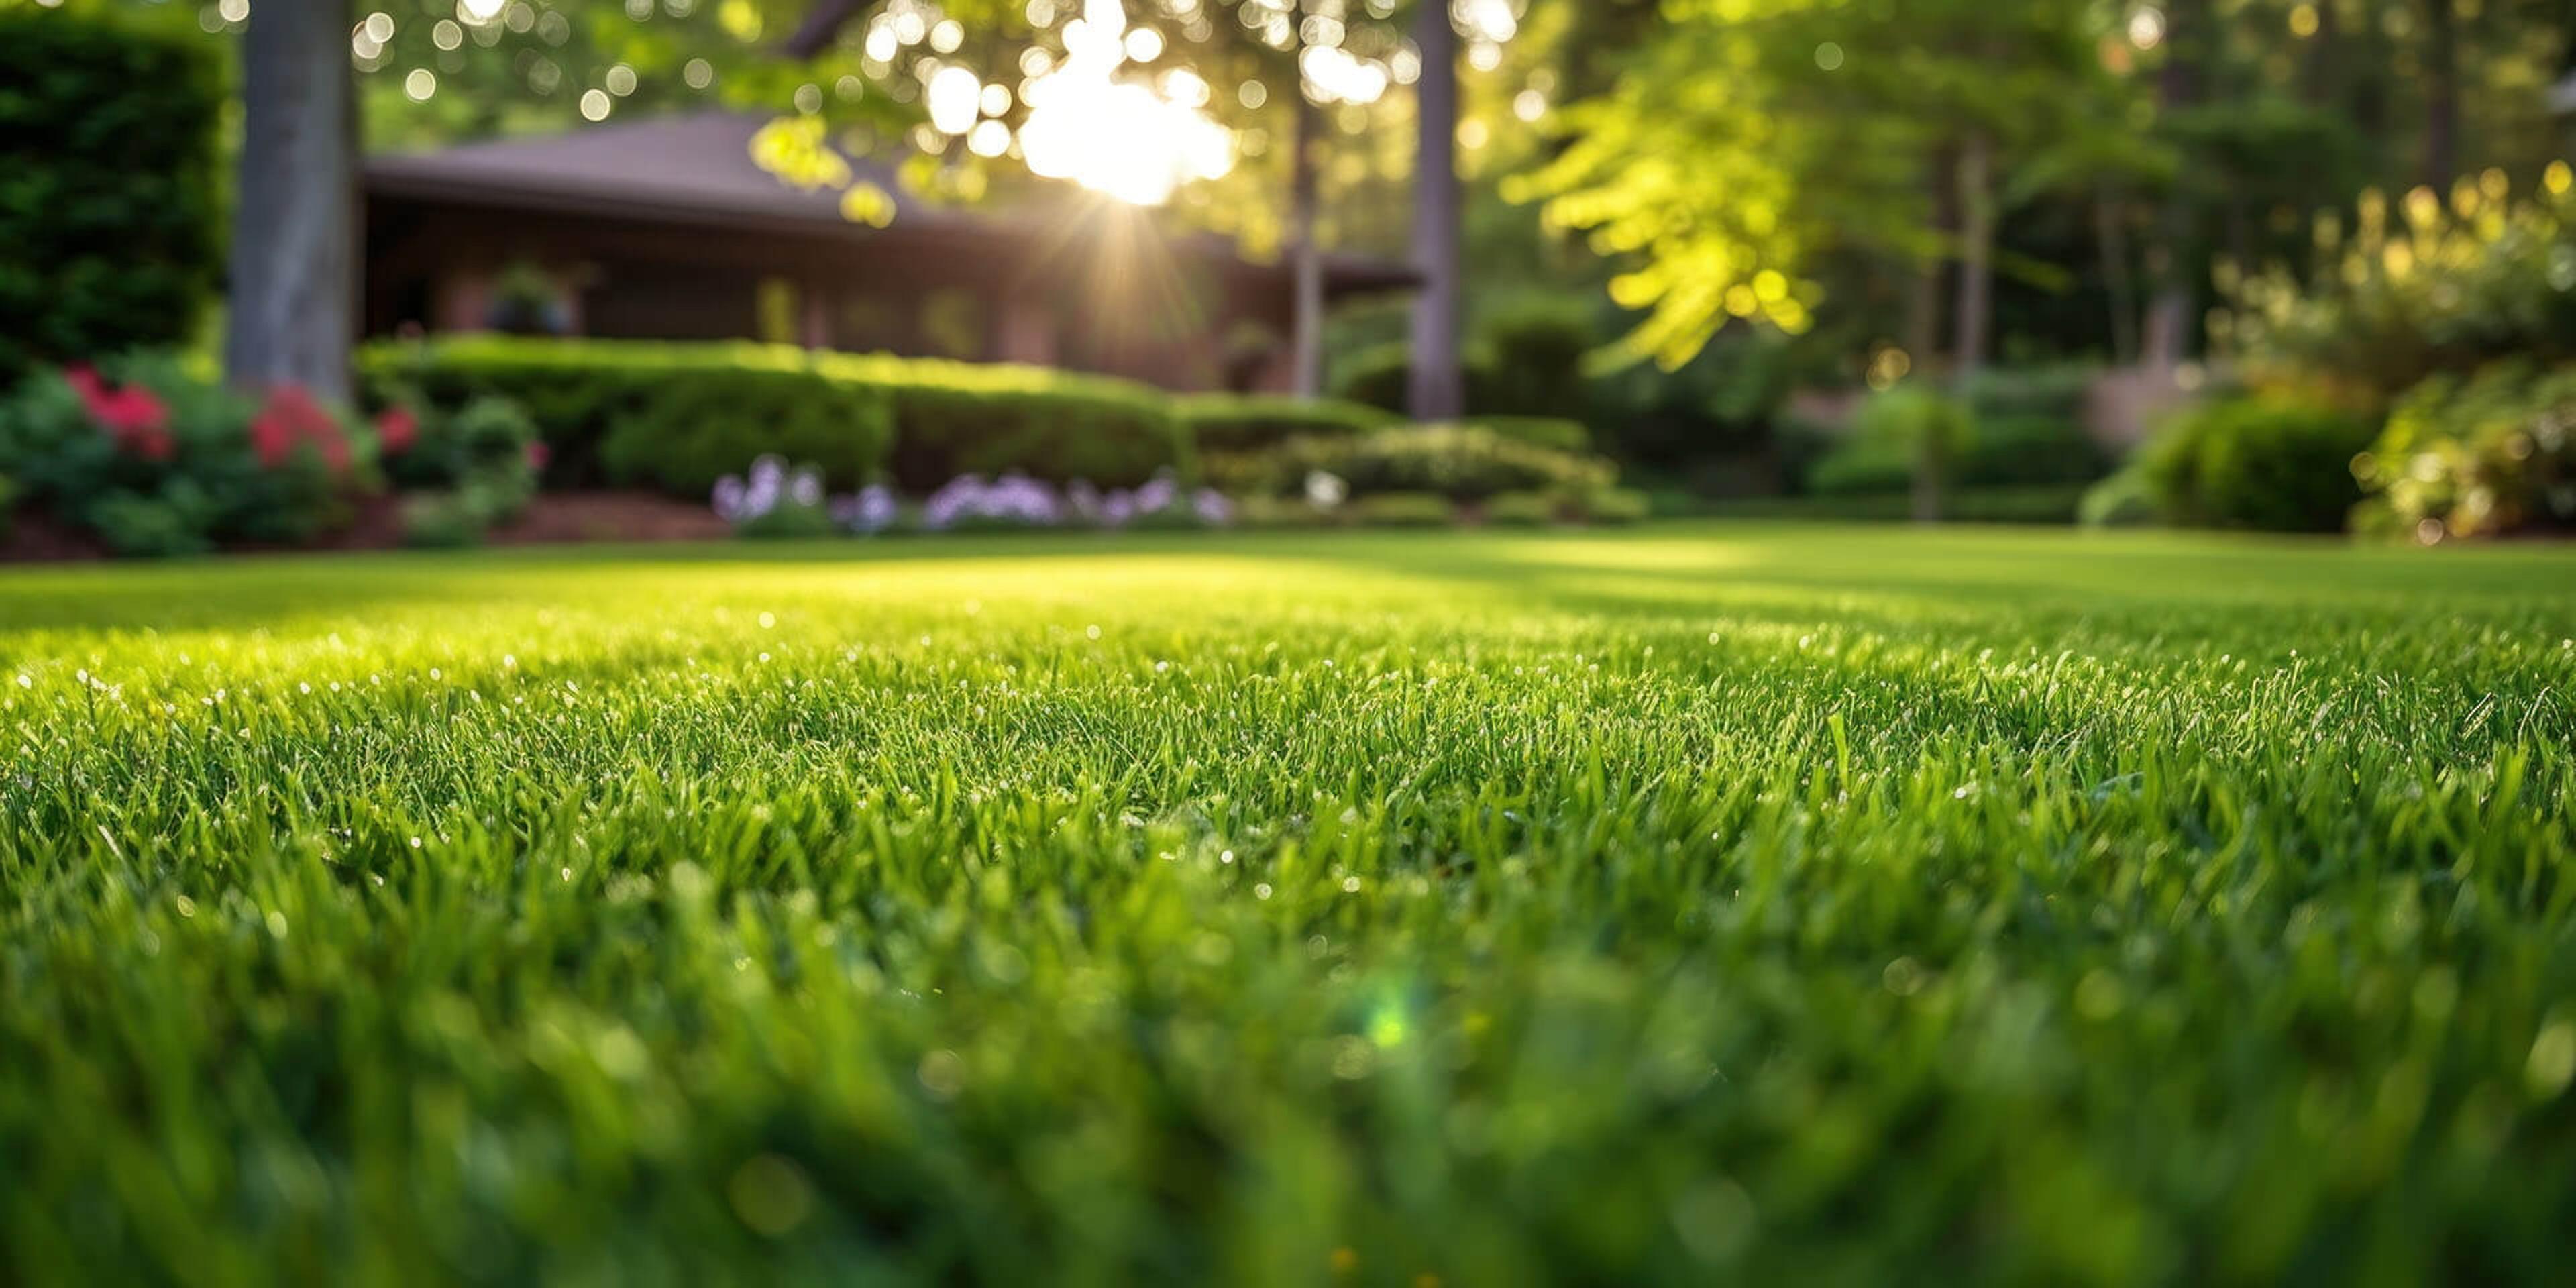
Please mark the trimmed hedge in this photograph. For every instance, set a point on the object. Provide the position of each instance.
(680, 416)
(671, 416)
(110, 236)
(1460, 462)
(1556, 432)
(1251, 422)
(677, 417)
(953, 418)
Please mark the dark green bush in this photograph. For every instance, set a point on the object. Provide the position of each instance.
(1404, 510)
(1614, 505)
(1533, 354)
(2270, 462)
(1556, 432)
(1461, 462)
(2049, 503)
(2009, 450)
(109, 235)
(2056, 392)
(1219, 423)
(671, 416)
(2017, 449)
(1523, 509)
(955, 418)
(1527, 360)
(680, 416)
(1887, 444)
(1380, 376)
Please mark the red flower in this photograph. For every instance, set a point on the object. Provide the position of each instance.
(292, 418)
(396, 428)
(272, 439)
(538, 455)
(134, 416)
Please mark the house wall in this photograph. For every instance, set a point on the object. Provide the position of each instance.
(1140, 311)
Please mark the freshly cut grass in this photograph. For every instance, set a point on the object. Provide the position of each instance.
(1695, 904)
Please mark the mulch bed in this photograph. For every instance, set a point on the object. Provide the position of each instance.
(554, 518)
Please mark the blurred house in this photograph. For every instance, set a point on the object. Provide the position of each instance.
(666, 229)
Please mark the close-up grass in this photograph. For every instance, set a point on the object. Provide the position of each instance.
(1698, 903)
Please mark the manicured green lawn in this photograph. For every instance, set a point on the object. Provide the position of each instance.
(1765, 904)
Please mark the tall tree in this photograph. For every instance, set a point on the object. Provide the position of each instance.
(293, 288)
(1438, 380)
(1305, 242)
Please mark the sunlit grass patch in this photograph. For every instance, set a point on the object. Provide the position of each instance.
(1775, 902)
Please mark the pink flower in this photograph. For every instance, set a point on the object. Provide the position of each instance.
(538, 455)
(396, 429)
(291, 418)
(134, 416)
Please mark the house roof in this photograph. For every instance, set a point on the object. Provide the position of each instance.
(697, 170)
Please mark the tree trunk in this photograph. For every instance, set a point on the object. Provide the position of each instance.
(1923, 305)
(1976, 259)
(2117, 283)
(2441, 95)
(1975, 307)
(2321, 67)
(1437, 384)
(2168, 323)
(1306, 255)
(292, 293)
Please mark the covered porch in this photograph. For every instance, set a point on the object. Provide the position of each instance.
(667, 230)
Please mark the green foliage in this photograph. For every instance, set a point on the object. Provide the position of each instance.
(678, 417)
(955, 418)
(1680, 905)
(1523, 509)
(1381, 376)
(1526, 359)
(2053, 391)
(1744, 143)
(2043, 504)
(2271, 462)
(1614, 505)
(2124, 500)
(2441, 288)
(472, 467)
(187, 472)
(1534, 354)
(441, 520)
(1555, 432)
(1404, 510)
(1459, 462)
(2491, 455)
(1888, 441)
(109, 236)
(1220, 423)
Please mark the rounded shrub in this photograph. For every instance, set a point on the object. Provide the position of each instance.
(1460, 462)
(111, 235)
(2272, 462)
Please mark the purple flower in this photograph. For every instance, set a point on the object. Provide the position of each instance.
(1212, 507)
